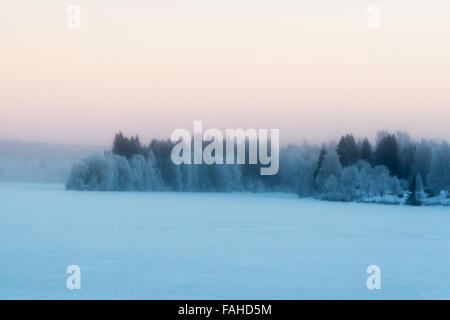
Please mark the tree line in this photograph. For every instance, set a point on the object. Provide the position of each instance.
(396, 167)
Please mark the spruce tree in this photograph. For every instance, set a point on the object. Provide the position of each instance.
(347, 150)
(322, 154)
(386, 154)
(366, 152)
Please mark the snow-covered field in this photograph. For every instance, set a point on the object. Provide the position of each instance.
(216, 246)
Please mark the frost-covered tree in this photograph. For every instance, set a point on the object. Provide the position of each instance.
(78, 177)
(190, 177)
(412, 196)
(379, 181)
(331, 188)
(439, 176)
(297, 164)
(138, 173)
(420, 192)
(350, 184)
(395, 186)
(143, 175)
(406, 161)
(95, 173)
(123, 171)
(423, 156)
(365, 181)
(403, 139)
(331, 166)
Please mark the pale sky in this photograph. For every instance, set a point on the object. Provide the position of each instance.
(309, 68)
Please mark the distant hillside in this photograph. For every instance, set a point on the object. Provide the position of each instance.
(40, 162)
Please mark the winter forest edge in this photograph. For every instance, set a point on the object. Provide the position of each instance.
(397, 170)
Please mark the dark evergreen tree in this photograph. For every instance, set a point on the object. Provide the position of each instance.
(422, 159)
(386, 154)
(367, 152)
(347, 150)
(120, 145)
(412, 199)
(406, 161)
(322, 154)
(123, 146)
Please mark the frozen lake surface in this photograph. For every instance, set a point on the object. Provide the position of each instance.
(216, 246)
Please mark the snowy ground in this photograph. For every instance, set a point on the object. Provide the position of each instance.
(216, 246)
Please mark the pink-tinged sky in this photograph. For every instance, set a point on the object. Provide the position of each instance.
(310, 68)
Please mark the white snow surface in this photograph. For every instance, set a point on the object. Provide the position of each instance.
(163, 245)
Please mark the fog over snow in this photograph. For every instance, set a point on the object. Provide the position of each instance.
(40, 162)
